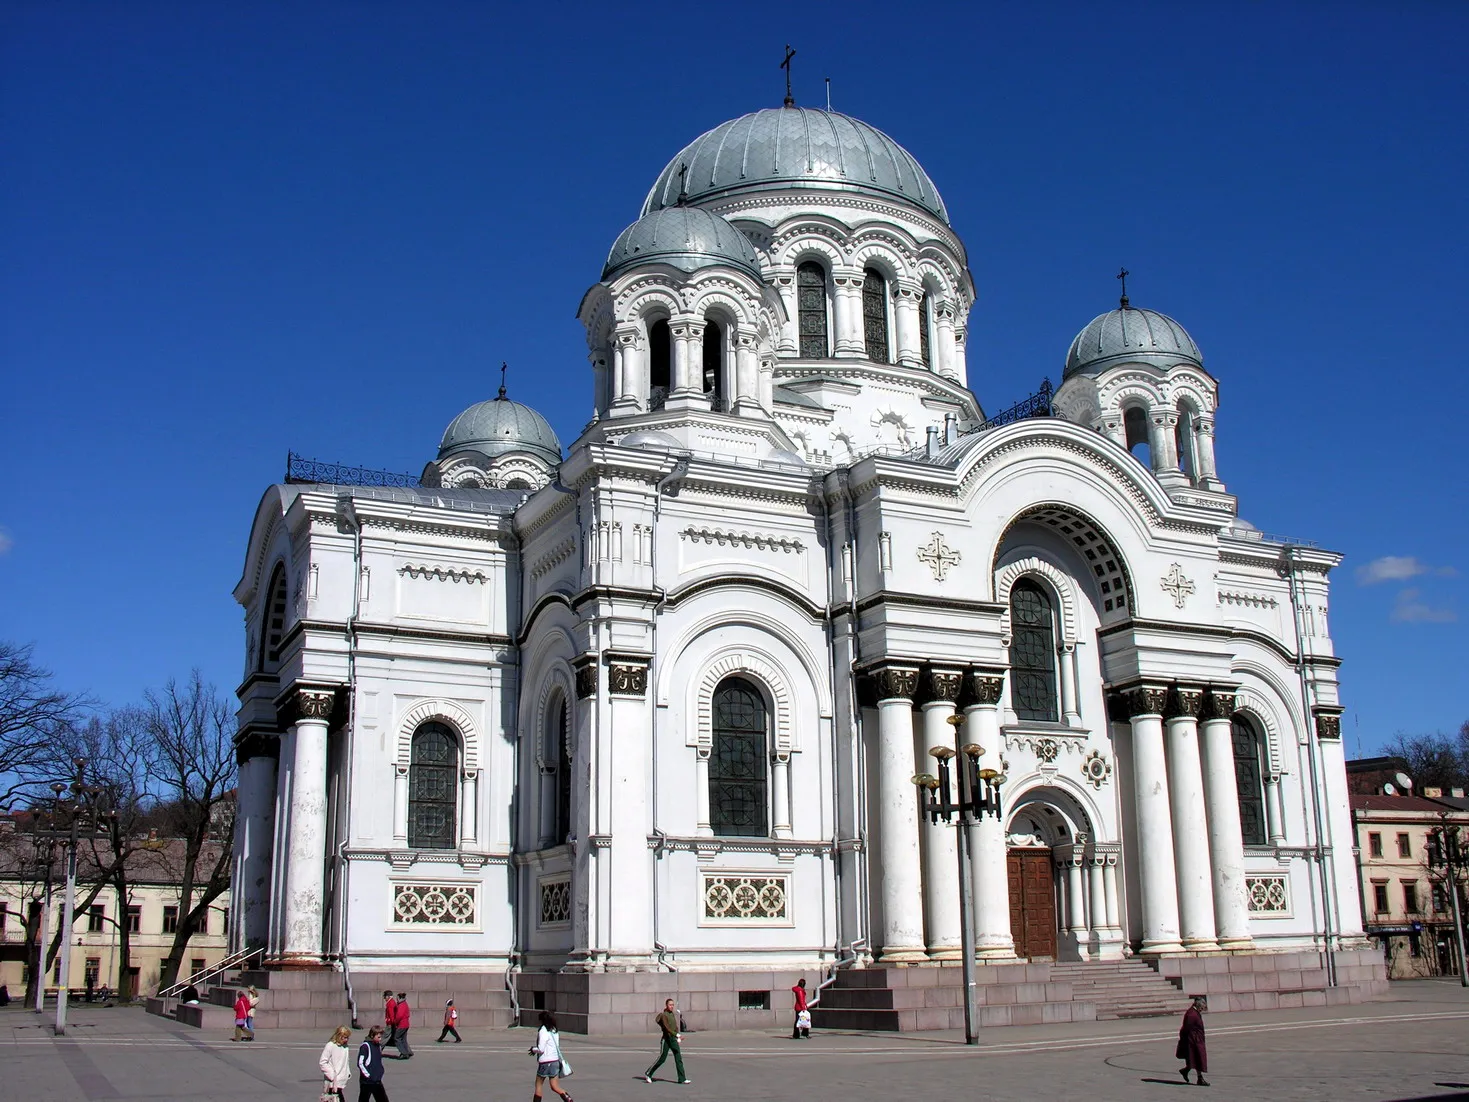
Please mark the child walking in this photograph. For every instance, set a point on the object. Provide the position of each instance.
(451, 1018)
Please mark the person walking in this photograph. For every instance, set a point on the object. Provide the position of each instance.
(668, 1025)
(451, 1016)
(1191, 1043)
(253, 997)
(370, 1067)
(547, 1051)
(802, 1011)
(401, 1022)
(390, 1017)
(242, 1019)
(334, 1063)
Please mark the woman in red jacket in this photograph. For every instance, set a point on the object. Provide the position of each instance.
(803, 1012)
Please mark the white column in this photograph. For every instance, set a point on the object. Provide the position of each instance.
(905, 323)
(627, 815)
(469, 817)
(785, 286)
(1274, 810)
(1226, 843)
(847, 313)
(940, 856)
(305, 878)
(630, 392)
(1071, 859)
(902, 882)
(701, 794)
(1066, 660)
(1204, 452)
(1190, 822)
(780, 782)
(1336, 804)
(943, 352)
(1109, 883)
(987, 855)
(1153, 847)
(961, 357)
(255, 830)
(747, 374)
(1097, 897)
(400, 803)
(280, 862)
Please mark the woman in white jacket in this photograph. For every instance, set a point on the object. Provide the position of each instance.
(335, 1064)
(547, 1051)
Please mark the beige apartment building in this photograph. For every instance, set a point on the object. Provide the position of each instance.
(150, 912)
(1406, 906)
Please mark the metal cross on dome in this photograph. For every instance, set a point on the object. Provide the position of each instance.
(1177, 586)
(939, 557)
(786, 65)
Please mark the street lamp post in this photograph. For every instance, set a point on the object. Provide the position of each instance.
(1447, 854)
(45, 852)
(965, 793)
(83, 811)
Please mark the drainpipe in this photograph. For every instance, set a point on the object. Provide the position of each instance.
(348, 514)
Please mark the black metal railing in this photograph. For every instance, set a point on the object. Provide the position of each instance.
(300, 469)
(1037, 405)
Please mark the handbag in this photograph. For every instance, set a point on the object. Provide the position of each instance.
(565, 1067)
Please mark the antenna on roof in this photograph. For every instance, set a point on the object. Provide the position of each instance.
(1122, 275)
(828, 93)
(503, 368)
(786, 65)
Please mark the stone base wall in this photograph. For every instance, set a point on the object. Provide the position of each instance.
(1278, 981)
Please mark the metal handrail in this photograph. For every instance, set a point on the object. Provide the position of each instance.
(234, 960)
(510, 985)
(839, 963)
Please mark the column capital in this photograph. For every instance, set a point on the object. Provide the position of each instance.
(255, 743)
(627, 674)
(893, 681)
(939, 686)
(983, 685)
(585, 668)
(1328, 723)
(1219, 703)
(1184, 701)
(1139, 700)
(314, 704)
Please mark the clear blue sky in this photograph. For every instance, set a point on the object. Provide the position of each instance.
(230, 230)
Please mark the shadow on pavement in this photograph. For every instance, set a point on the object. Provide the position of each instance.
(1168, 1082)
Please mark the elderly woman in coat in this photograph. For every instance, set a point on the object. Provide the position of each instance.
(1191, 1043)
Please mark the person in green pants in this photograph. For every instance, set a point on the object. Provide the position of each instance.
(668, 1023)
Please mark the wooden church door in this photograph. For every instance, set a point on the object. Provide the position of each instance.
(1032, 903)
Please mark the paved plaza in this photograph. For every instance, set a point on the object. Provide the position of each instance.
(1413, 1045)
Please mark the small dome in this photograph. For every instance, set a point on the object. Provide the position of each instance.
(649, 438)
(685, 237)
(1130, 335)
(500, 426)
(794, 147)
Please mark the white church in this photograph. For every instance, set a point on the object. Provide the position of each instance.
(651, 707)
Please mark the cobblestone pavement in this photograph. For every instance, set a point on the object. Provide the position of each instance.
(1414, 1045)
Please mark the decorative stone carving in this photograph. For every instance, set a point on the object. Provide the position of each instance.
(1046, 750)
(894, 682)
(760, 899)
(1219, 704)
(942, 684)
(1328, 725)
(1096, 769)
(983, 686)
(1177, 586)
(1185, 701)
(434, 904)
(555, 892)
(627, 678)
(257, 744)
(586, 676)
(1145, 700)
(939, 556)
(751, 540)
(314, 703)
(1268, 895)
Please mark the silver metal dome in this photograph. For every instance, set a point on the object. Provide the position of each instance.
(1130, 335)
(498, 427)
(685, 237)
(785, 147)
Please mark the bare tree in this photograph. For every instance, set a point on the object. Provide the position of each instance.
(1435, 759)
(34, 716)
(192, 731)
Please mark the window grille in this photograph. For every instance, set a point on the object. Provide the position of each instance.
(432, 775)
(1032, 653)
(811, 310)
(923, 312)
(275, 614)
(1248, 782)
(875, 315)
(737, 761)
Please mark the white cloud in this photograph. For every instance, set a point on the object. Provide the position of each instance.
(1411, 608)
(1391, 568)
(6, 543)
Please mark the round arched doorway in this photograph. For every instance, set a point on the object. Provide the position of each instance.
(1047, 829)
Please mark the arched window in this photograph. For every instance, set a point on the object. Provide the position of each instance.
(660, 363)
(875, 315)
(274, 627)
(923, 322)
(433, 775)
(1135, 424)
(714, 362)
(738, 781)
(811, 310)
(1247, 776)
(556, 775)
(1032, 653)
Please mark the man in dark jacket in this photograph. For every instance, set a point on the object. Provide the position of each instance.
(668, 1025)
(370, 1068)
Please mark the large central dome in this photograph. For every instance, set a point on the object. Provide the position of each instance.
(794, 147)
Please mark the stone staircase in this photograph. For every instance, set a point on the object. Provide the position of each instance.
(317, 999)
(1121, 988)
